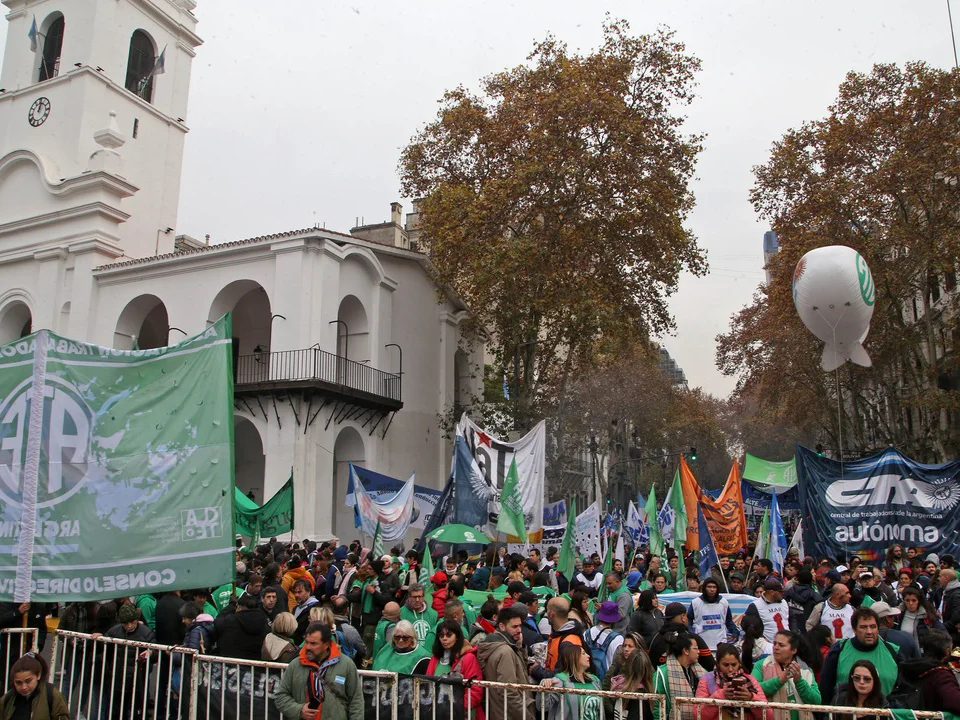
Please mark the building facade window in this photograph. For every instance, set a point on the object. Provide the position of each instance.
(52, 45)
(140, 66)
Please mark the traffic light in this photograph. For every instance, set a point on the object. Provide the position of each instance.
(693, 454)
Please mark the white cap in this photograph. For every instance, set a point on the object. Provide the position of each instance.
(842, 569)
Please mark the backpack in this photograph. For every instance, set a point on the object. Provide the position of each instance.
(345, 647)
(598, 650)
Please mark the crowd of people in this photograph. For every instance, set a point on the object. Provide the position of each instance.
(822, 632)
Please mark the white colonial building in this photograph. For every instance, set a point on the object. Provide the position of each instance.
(91, 146)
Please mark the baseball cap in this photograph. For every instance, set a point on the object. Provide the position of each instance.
(842, 569)
(673, 610)
(883, 609)
(738, 576)
(772, 583)
(865, 572)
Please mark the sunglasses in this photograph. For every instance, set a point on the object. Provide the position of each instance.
(398, 638)
(862, 679)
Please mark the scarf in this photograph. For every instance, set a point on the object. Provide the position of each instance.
(788, 691)
(315, 689)
(366, 598)
(679, 681)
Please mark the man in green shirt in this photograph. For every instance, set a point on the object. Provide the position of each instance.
(619, 593)
(423, 618)
(147, 605)
(384, 632)
(866, 644)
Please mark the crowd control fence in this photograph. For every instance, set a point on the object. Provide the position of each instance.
(694, 708)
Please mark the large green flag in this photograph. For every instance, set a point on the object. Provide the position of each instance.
(656, 542)
(675, 498)
(116, 467)
(566, 564)
(510, 520)
(273, 519)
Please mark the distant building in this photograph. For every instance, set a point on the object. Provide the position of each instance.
(670, 369)
(771, 247)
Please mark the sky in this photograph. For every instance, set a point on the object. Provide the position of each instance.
(299, 109)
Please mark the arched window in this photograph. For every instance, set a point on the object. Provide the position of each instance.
(140, 65)
(52, 45)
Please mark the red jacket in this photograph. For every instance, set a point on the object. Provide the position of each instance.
(468, 667)
(708, 689)
(439, 601)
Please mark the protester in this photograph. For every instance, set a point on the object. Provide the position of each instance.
(801, 600)
(564, 631)
(619, 593)
(631, 643)
(932, 674)
(909, 650)
(648, 619)
(602, 641)
(835, 612)
(863, 688)
(676, 620)
(710, 616)
(485, 624)
(770, 608)
(917, 616)
(501, 657)
(950, 614)
(786, 677)
(403, 654)
(320, 682)
(729, 682)
(866, 644)
(278, 645)
(637, 677)
(680, 675)
(241, 631)
(572, 672)
(31, 697)
(580, 610)
(453, 656)
(755, 646)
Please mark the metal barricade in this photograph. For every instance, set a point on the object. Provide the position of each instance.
(14, 642)
(686, 708)
(105, 678)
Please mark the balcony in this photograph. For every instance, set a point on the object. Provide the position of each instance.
(315, 370)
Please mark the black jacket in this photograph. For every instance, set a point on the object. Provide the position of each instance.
(939, 689)
(658, 648)
(647, 623)
(951, 611)
(241, 634)
(168, 621)
(801, 599)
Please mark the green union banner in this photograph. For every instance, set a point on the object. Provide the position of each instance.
(116, 467)
(274, 518)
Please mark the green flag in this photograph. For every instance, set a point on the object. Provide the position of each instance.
(376, 551)
(566, 565)
(656, 542)
(271, 520)
(510, 520)
(119, 476)
(675, 498)
(607, 567)
(426, 572)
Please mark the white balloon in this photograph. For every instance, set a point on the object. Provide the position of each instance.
(834, 294)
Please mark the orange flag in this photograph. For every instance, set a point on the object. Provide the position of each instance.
(725, 516)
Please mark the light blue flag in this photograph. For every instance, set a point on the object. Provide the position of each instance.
(778, 538)
(33, 34)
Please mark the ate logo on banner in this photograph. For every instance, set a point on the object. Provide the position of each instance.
(65, 442)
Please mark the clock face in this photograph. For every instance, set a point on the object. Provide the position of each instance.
(39, 112)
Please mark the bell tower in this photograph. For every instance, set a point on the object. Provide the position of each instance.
(93, 107)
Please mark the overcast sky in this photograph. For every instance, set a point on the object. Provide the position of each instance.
(299, 109)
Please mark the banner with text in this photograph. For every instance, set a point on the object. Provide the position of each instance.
(494, 456)
(426, 699)
(271, 520)
(116, 467)
(869, 504)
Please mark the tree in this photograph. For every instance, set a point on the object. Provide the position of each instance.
(554, 202)
(878, 174)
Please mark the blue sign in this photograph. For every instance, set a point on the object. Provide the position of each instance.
(869, 504)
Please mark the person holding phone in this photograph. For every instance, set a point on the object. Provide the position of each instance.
(729, 682)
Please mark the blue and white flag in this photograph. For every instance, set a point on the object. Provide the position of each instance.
(707, 555)
(393, 512)
(634, 523)
(667, 519)
(778, 538)
(33, 34)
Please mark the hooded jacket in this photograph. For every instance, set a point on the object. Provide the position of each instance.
(951, 609)
(343, 696)
(241, 633)
(711, 619)
(289, 578)
(936, 680)
(500, 658)
(801, 599)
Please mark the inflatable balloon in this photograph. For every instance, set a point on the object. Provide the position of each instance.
(833, 292)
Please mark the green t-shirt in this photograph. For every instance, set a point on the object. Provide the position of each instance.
(210, 610)
(380, 635)
(441, 669)
(424, 623)
(590, 705)
(883, 659)
(148, 609)
(389, 660)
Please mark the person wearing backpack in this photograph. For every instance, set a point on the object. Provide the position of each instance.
(348, 637)
(602, 641)
(31, 695)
